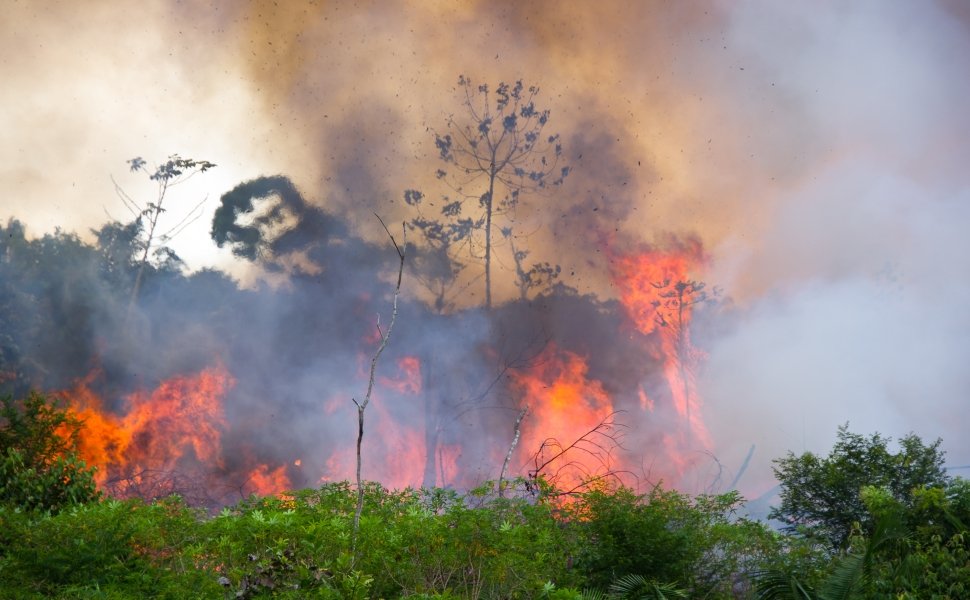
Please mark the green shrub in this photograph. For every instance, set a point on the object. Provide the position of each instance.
(39, 466)
(104, 549)
(670, 540)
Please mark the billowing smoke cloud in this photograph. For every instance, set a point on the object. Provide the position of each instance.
(852, 298)
(818, 151)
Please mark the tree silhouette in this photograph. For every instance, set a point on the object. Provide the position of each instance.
(495, 152)
(172, 172)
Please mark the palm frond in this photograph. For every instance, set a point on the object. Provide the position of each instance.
(776, 584)
(847, 580)
(636, 587)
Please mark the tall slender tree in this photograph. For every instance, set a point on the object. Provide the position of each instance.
(172, 172)
(495, 151)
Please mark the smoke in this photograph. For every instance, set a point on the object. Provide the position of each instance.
(851, 289)
(817, 151)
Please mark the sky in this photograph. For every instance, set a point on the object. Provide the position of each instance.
(818, 150)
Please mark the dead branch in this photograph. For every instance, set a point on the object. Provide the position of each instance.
(362, 405)
(599, 442)
(517, 428)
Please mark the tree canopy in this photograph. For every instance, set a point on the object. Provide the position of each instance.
(496, 150)
(822, 495)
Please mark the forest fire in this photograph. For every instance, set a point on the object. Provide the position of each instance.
(658, 295)
(565, 407)
(172, 433)
(181, 436)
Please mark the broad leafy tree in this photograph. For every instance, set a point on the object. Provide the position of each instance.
(821, 495)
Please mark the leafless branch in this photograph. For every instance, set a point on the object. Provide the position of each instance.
(517, 428)
(362, 405)
(598, 443)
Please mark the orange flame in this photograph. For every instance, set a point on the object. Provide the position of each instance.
(265, 482)
(658, 295)
(182, 420)
(564, 405)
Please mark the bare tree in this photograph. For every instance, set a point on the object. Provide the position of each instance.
(172, 172)
(496, 151)
(385, 336)
(517, 431)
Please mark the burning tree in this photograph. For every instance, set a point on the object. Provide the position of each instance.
(493, 155)
(673, 311)
(659, 298)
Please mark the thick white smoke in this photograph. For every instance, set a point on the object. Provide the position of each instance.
(854, 298)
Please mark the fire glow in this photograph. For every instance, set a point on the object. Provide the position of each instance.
(177, 430)
(658, 295)
(563, 405)
(163, 440)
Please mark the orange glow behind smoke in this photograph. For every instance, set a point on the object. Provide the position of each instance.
(178, 427)
(564, 405)
(656, 292)
(393, 453)
(408, 380)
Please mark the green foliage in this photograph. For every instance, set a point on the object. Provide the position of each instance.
(624, 530)
(668, 538)
(902, 545)
(39, 468)
(636, 587)
(412, 543)
(435, 543)
(821, 496)
(117, 549)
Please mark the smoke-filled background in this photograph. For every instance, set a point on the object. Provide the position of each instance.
(817, 152)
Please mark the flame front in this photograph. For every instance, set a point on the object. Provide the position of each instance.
(572, 394)
(169, 432)
(565, 407)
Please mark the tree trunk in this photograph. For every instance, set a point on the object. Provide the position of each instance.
(488, 234)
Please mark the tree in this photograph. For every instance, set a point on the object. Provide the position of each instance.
(822, 496)
(496, 152)
(918, 551)
(362, 405)
(539, 276)
(172, 172)
(673, 311)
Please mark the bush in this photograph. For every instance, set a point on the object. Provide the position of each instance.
(39, 465)
(107, 549)
(821, 495)
(669, 539)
